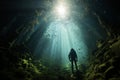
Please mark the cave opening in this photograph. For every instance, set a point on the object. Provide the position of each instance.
(37, 37)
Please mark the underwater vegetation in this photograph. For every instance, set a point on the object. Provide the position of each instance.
(18, 63)
(104, 63)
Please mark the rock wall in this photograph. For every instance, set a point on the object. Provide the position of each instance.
(105, 62)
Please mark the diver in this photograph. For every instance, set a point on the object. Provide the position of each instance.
(73, 59)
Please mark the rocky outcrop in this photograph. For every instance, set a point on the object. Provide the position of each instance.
(104, 63)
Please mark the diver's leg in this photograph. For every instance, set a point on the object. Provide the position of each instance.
(76, 65)
(72, 66)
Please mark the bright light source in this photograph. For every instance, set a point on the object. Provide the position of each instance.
(61, 11)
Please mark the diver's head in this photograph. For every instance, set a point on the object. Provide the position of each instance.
(72, 49)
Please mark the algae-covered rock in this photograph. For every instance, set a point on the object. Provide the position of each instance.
(110, 72)
(116, 48)
(98, 76)
(114, 79)
(91, 76)
(107, 55)
(114, 61)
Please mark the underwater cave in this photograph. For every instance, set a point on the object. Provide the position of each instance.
(59, 40)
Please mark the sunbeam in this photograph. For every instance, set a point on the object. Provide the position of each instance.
(61, 36)
(57, 28)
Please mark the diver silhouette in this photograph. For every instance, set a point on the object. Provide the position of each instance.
(73, 59)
